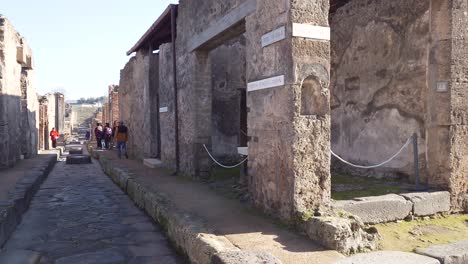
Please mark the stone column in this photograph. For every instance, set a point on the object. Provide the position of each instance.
(447, 117)
(288, 106)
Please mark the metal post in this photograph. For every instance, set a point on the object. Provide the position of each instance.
(418, 187)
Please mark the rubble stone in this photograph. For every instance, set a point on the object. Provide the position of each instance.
(346, 235)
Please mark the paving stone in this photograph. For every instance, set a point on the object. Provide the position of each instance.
(80, 216)
(20, 257)
(244, 257)
(455, 253)
(429, 203)
(377, 209)
(99, 257)
(388, 257)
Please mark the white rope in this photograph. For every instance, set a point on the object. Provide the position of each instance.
(224, 166)
(410, 139)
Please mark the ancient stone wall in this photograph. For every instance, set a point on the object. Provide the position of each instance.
(228, 83)
(194, 79)
(59, 112)
(378, 84)
(105, 114)
(135, 106)
(43, 125)
(289, 120)
(448, 104)
(19, 108)
(51, 116)
(166, 105)
(114, 103)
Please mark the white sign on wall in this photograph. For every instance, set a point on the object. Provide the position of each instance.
(274, 36)
(442, 87)
(266, 83)
(163, 109)
(310, 31)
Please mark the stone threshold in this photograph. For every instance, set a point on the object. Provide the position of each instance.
(188, 232)
(393, 207)
(19, 199)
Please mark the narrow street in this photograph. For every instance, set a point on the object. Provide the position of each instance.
(80, 216)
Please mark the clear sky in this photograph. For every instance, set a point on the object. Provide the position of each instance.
(80, 46)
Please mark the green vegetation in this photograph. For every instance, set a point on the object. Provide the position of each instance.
(355, 186)
(407, 236)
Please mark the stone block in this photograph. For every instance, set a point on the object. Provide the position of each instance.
(455, 253)
(75, 151)
(388, 257)
(153, 163)
(429, 203)
(78, 159)
(377, 209)
(244, 257)
(20, 257)
(345, 235)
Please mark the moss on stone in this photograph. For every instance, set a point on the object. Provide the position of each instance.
(407, 236)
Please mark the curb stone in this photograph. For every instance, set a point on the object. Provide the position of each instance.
(187, 232)
(12, 210)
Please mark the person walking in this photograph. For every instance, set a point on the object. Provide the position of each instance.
(121, 136)
(54, 135)
(107, 136)
(98, 135)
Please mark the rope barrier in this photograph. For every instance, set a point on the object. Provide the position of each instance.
(224, 166)
(410, 139)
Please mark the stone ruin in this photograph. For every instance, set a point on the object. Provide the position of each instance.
(292, 80)
(19, 106)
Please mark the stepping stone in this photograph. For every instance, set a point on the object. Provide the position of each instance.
(78, 159)
(388, 257)
(455, 253)
(75, 151)
(20, 257)
(377, 209)
(429, 203)
(153, 163)
(244, 257)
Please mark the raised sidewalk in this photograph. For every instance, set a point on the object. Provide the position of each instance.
(208, 227)
(17, 188)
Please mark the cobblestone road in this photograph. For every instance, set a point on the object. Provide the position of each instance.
(80, 216)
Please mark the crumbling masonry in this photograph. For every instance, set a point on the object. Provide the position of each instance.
(272, 76)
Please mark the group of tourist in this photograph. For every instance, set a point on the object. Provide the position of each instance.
(118, 135)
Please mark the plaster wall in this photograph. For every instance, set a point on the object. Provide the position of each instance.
(378, 83)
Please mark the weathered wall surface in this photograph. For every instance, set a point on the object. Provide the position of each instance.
(19, 107)
(378, 84)
(166, 99)
(228, 82)
(290, 140)
(193, 81)
(447, 116)
(51, 116)
(135, 106)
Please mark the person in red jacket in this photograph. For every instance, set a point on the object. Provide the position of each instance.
(54, 135)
